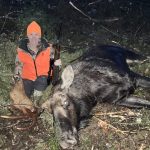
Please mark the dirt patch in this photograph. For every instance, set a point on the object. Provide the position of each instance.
(110, 128)
(119, 131)
(37, 138)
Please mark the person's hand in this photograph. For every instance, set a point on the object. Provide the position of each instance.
(58, 62)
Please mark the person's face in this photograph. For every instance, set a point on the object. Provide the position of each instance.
(34, 38)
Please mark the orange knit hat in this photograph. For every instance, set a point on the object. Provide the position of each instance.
(33, 27)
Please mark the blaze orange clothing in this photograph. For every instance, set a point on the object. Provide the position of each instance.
(34, 27)
(34, 67)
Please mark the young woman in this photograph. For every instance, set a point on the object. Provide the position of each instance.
(33, 61)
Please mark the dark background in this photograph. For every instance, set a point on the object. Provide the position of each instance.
(16, 14)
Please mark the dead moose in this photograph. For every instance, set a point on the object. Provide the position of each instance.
(101, 75)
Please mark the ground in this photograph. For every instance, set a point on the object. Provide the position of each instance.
(110, 127)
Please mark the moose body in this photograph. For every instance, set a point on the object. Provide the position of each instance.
(101, 75)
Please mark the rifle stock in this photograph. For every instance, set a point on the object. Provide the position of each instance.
(56, 69)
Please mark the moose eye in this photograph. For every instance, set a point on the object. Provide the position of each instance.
(65, 104)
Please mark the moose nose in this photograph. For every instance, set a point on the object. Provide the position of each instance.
(72, 141)
(68, 144)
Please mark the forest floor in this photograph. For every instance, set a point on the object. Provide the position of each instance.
(110, 127)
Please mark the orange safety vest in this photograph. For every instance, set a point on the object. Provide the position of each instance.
(32, 68)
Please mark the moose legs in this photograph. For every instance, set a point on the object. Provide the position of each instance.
(134, 102)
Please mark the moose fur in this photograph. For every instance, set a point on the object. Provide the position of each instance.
(101, 75)
(20, 100)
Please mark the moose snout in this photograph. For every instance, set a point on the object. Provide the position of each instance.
(68, 140)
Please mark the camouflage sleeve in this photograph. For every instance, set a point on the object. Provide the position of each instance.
(18, 66)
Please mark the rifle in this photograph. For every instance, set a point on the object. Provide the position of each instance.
(56, 69)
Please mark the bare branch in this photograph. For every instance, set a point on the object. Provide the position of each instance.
(95, 2)
(7, 15)
(96, 21)
(79, 10)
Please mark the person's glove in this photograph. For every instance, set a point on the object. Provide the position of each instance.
(58, 62)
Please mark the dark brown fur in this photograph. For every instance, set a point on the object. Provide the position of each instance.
(102, 75)
(19, 98)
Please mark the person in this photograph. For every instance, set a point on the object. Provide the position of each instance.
(33, 62)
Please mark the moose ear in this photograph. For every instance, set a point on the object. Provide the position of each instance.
(67, 77)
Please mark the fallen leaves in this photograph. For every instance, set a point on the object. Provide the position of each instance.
(121, 115)
(107, 126)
